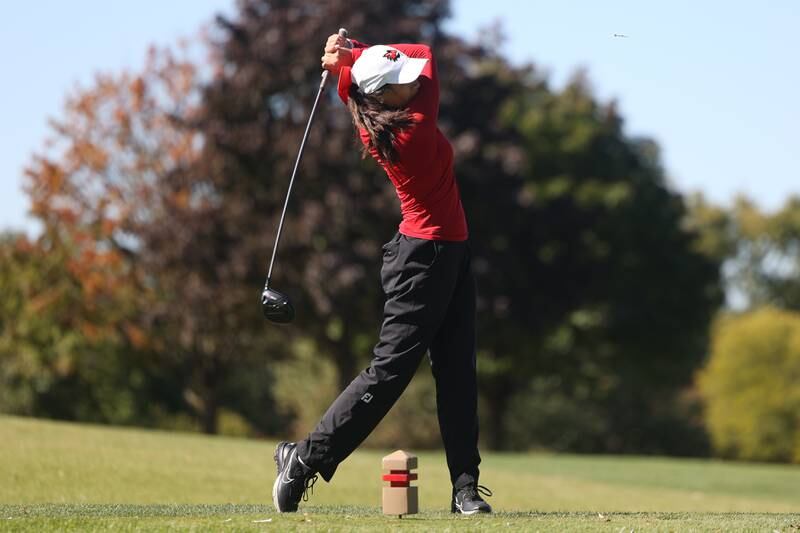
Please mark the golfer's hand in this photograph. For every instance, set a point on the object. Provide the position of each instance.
(334, 60)
(335, 42)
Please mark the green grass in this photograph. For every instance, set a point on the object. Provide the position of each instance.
(73, 477)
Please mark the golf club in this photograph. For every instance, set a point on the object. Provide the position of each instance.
(276, 305)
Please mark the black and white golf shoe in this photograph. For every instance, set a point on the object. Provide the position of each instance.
(293, 481)
(467, 500)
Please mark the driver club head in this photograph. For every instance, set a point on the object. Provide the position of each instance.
(276, 306)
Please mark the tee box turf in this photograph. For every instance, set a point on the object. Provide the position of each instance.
(399, 498)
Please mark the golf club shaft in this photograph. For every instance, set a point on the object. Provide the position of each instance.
(342, 33)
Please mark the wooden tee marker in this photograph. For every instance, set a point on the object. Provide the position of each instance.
(399, 497)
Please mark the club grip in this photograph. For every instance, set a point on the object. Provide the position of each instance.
(325, 73)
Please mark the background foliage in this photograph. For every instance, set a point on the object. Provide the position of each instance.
(160, 190)
(750, 383)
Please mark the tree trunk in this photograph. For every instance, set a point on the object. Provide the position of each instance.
(343, 358)
(208, 417)
(345, 362)
(497, 401)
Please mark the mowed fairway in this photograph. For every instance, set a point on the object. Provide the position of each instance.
(58, 476)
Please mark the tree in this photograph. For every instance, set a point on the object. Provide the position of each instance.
(750, 386)
(760, 250)
(63, 344)
(765, 263)
(118, 184)
(592, 280)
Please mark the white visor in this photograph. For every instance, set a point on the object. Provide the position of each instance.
(382, 64)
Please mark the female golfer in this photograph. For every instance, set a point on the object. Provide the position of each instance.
(392, 93)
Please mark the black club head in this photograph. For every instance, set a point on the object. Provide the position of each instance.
(276, 306)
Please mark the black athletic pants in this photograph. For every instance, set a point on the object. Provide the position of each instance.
(430, 305)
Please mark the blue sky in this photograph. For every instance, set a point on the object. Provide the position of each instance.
(714, 82)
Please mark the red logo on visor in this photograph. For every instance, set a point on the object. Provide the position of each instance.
(392, 55)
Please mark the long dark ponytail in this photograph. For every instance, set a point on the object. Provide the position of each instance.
(382, 123)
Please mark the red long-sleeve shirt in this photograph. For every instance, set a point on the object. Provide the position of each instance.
(430, 202)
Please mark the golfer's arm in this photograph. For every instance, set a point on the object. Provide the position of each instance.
(343, 84)
(357, 44)
(358, 48)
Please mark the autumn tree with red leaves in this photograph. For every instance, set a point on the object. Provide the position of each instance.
(117, 183)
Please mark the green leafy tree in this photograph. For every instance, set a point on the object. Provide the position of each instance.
(63, 342)
(594, 284)
(713, 225)
(759, 249)
(750, 386)
(765, 265)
